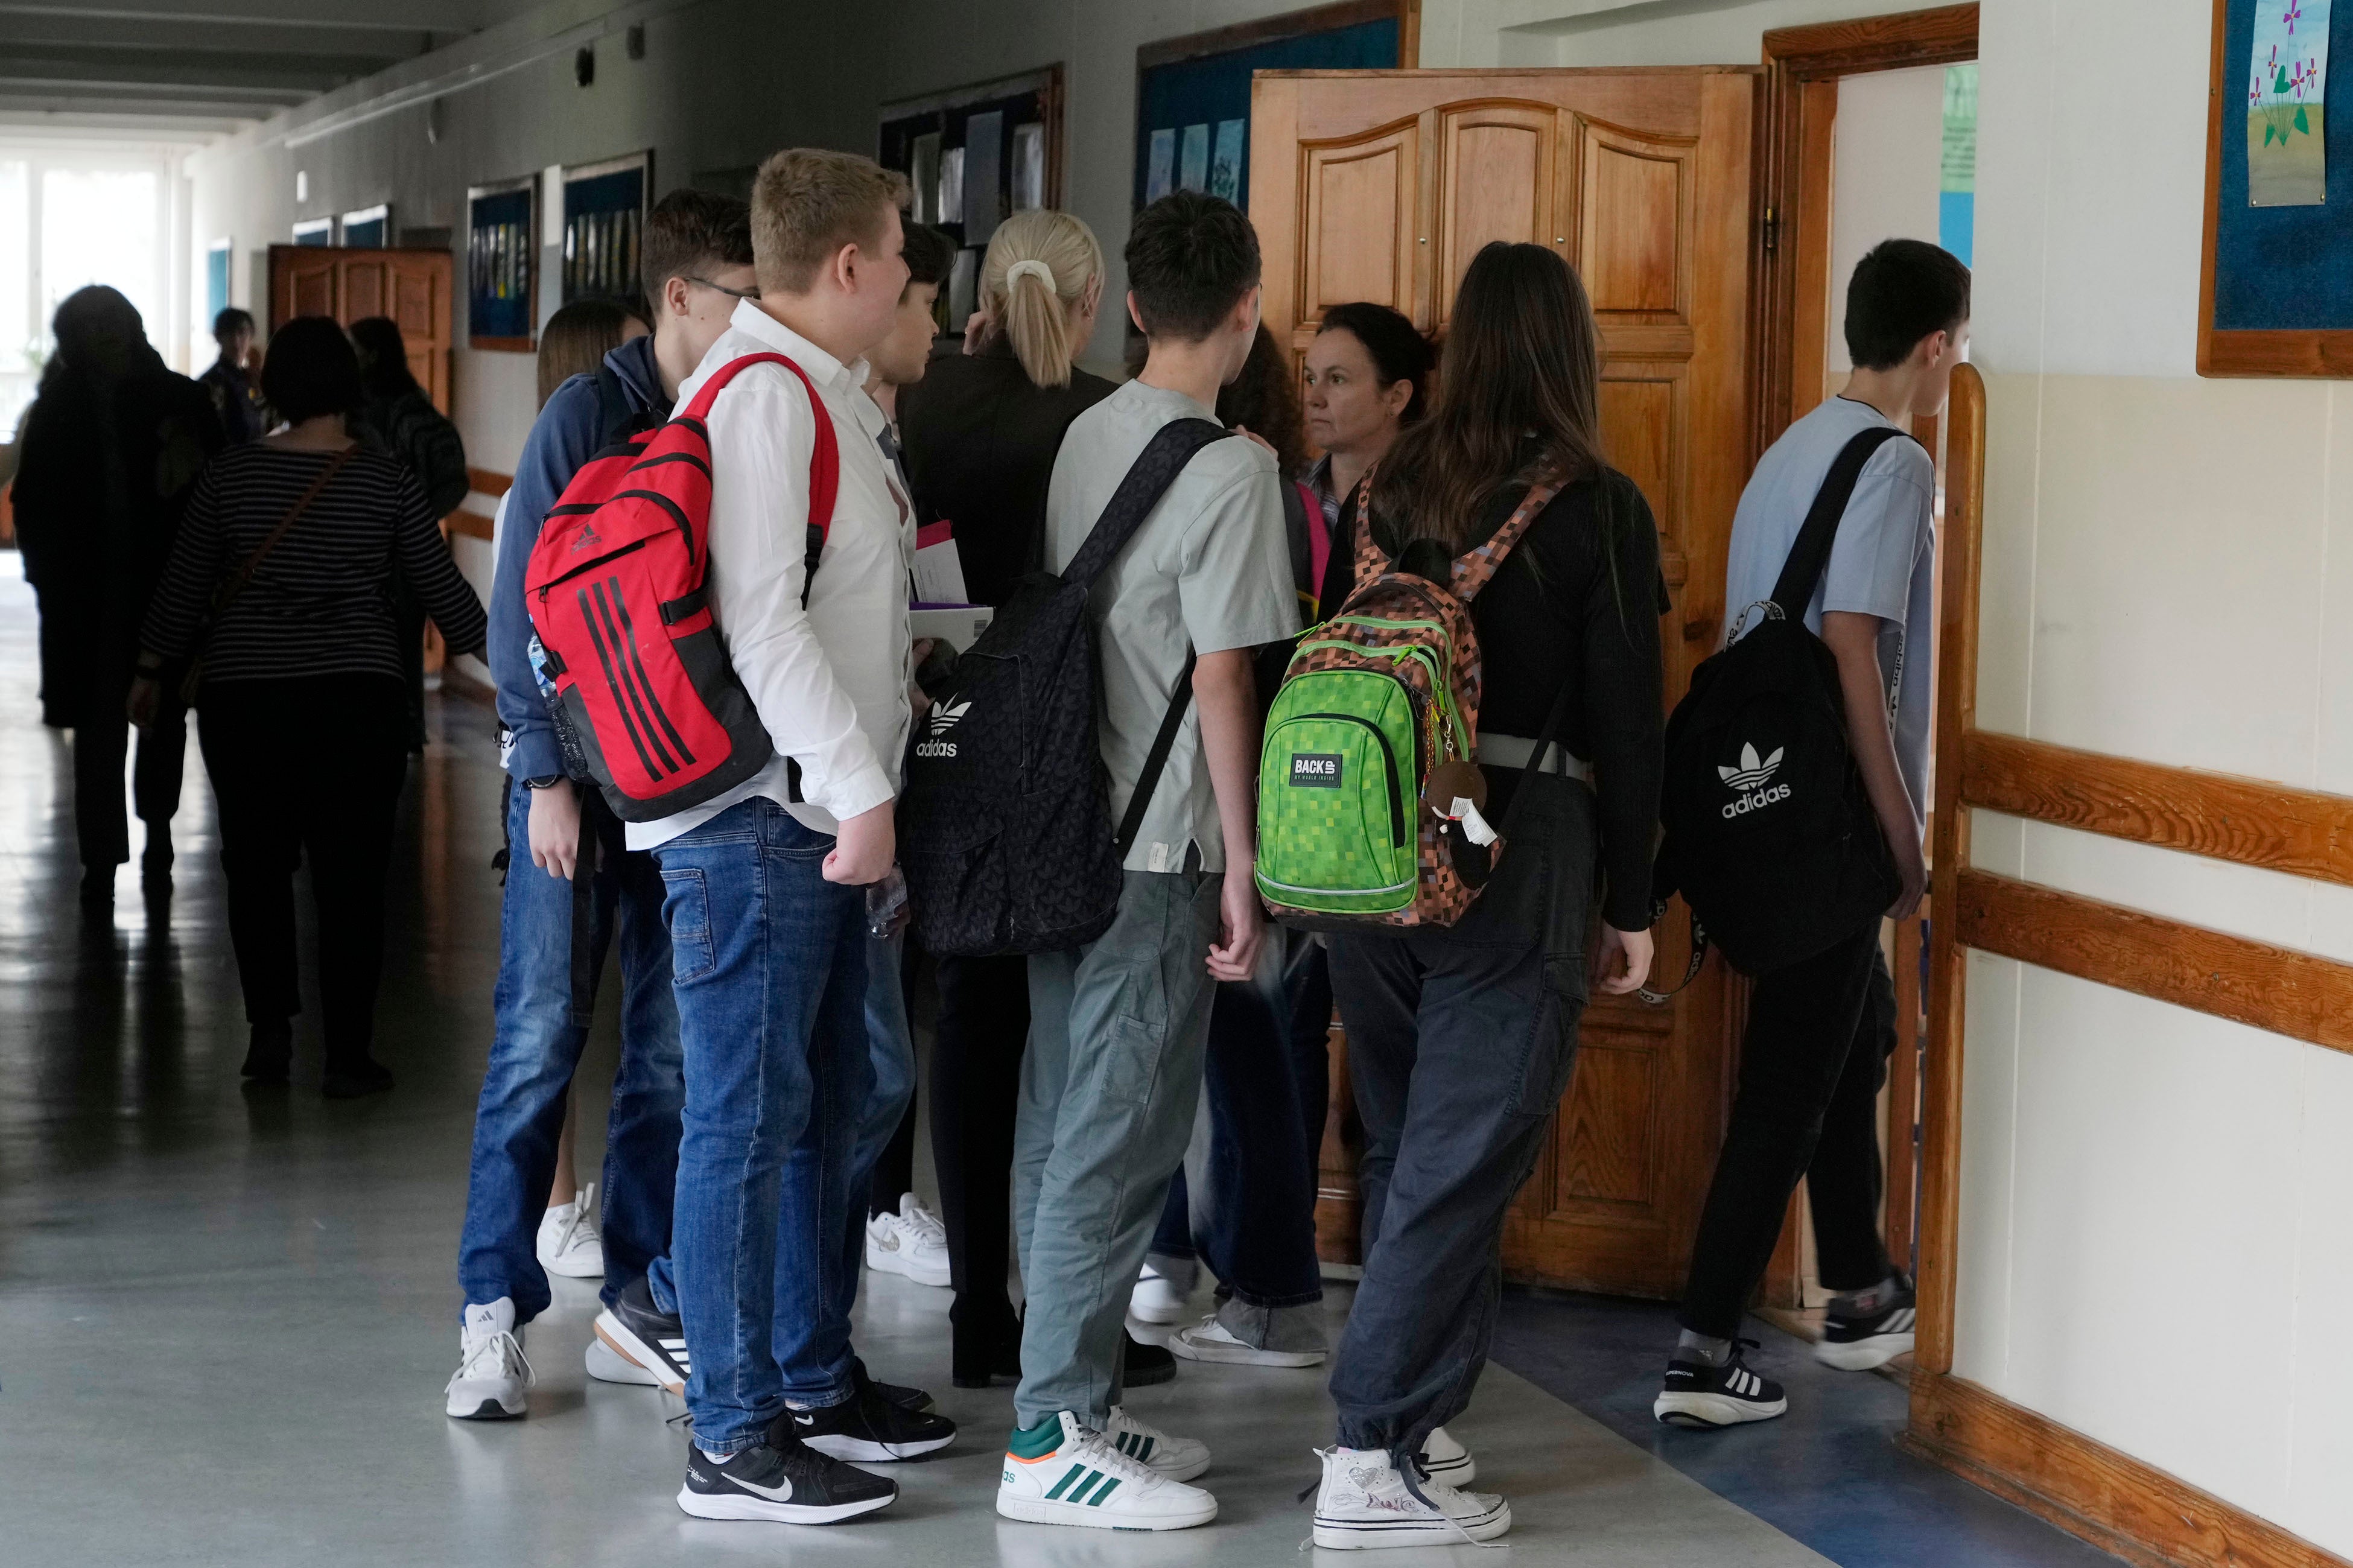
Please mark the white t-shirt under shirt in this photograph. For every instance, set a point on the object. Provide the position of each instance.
(1210, 566)
(829, 682)
(1882, 560)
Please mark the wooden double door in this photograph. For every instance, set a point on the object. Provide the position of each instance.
(412, 287)
(1381, 186)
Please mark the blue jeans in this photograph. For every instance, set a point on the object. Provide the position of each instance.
(770, 964)
(553, 936)
(1250, 1207)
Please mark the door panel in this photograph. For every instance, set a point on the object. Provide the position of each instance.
(412, 287)
(1642, 179)
(1495, 183)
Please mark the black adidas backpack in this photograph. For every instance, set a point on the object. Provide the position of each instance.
(1005, 828)
(1770, 836)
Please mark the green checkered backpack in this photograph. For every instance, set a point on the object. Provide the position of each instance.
(1369, 744)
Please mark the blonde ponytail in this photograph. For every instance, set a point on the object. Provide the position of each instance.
(1038, 269)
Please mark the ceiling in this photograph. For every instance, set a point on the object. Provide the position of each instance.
(177, 66)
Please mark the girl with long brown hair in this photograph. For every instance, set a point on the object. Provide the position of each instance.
(1460, 1038)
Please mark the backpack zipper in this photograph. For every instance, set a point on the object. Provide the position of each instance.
(554, 582)
(1388, 763)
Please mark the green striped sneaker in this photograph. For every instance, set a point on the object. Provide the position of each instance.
(1062, 1472)
(1178, 1458)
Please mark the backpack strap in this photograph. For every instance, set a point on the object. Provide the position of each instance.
(1371, 559)
(1810, 555)
(1148, 478)
(1476, 567)
(825, 463)
(1157, 759)
(616, 420)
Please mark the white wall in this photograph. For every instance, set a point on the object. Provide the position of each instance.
(1887, 157)
(2156, 1237)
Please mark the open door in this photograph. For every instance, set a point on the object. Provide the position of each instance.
(412, 287)
(1381, 186)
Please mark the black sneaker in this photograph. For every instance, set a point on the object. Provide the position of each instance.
(1698, 1394)
(791, 1485)
(269, 1053)
(1858, 1344)
(634, 1328)
(1147, 1365)
(898, 1393)
(865, 1426)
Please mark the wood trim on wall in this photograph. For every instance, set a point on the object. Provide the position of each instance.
(472, 524)
(2223, 817)
(1793, 231)
(488, 481)
(2094, 1492)
(1292, 25)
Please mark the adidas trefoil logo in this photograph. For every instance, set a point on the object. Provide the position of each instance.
(945, 716)
(1750, 772)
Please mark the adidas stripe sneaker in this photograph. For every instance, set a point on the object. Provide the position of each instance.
(646, 1336)
(1858, 1344)
(1698, 1394)
(1178, 1458)
(1061, 1472)
(791, 1485)
(1365, 1502)
(491, 1372)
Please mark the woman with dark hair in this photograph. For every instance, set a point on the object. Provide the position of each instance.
(1365, 380)
(110, 450)
(1460, 1038)
(279, 596)
(395, 417)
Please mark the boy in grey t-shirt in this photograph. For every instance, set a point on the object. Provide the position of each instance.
(1820, 1030)
(1113, 1072)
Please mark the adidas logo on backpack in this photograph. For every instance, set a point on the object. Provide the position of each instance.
(1748, 776)
(943, 718)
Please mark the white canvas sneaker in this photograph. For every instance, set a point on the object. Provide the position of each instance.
(1178, 1458)
(1447, 1460)
(1364, 1502)
(569, 1242)
(1083, 1480)
(912, 1242)
(1164, 1291)
(606, 1365)
(491, 1372)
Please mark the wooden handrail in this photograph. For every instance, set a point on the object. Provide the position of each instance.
(488, 481)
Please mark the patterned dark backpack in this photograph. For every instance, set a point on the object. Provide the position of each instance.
(1005, 823)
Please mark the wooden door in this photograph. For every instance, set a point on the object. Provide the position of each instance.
(1381, 186)
(412, 287)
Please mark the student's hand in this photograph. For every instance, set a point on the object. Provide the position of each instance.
(1242, 925)
(918, 699)
(145, 703)
(976, 331)
(555, 830)
(1623, 962)
(1913, 868)
(1246, 433)
(863, 848)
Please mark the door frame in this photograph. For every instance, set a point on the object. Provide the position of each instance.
(1791, 265)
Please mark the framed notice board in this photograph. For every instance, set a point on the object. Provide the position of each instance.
(502, 265)
(604, 223)
(2277, 298)
(1193, 93)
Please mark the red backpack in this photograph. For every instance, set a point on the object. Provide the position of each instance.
(615, 590)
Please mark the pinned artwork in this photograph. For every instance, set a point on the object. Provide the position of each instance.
(1193, 159)
(1226, 163)
(1160, 175)
(2287, 164)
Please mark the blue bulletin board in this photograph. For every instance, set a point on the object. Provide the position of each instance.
(1193, 93)
(501, 265)
(2278, 288)
(604, 223)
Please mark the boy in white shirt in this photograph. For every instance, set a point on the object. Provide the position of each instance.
(764, 885)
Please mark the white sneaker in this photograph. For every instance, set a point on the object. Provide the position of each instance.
(1448, 1461)
(1178, 1458)
(491, 1372)
(911, 1242)
(606, 1365)
(569, 1242)
(1162, 1296)
(1212, 1339)
(1364, 1502)
(1083, 1480)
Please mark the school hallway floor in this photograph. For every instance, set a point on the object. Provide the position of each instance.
(226, 1316)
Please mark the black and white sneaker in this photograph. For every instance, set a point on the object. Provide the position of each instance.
(899, 1393)
(1858, 1344)
(1146, 1364)
(866, 1426)
(791, 1485)
(1698, 1394)
(644, 1335)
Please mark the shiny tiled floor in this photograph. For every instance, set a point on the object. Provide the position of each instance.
(226, 1316)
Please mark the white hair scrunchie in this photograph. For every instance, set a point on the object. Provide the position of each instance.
(1031, 264)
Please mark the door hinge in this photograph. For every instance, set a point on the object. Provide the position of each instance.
(1772, 228)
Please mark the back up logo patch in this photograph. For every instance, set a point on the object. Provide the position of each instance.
(1315, 770)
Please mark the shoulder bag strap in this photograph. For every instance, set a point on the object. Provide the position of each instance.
(1801, 573)
(1148, 478)
(235, 585)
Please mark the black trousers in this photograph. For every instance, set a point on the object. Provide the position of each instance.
(307, 768)
(102, 741)
(984, 1029)
(894, 1168)
(1811, 1065)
